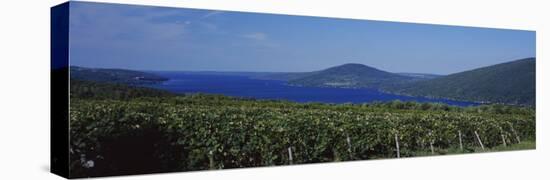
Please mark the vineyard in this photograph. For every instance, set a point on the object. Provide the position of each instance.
(111, 136)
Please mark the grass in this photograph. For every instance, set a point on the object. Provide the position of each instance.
(524, 145)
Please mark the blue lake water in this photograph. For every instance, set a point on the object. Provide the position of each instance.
(243, 86)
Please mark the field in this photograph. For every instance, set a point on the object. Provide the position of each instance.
(148, 131)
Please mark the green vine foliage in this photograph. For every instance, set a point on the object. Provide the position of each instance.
(200, 132)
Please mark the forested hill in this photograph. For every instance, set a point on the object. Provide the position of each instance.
(122, 76)
(351, 76)
(510, 83)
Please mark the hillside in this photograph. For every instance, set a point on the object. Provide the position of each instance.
(114, 75)
(508, 83)
(511, 83)
(420, 75)
(351, 76)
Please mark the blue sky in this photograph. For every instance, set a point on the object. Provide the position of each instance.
(160, 38)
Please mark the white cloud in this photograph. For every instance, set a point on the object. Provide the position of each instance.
(93, 24)
(211, 13)
(115, 35)
(209, 26)
(260, 39)
(256, 36)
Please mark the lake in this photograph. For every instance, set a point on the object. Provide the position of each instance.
(244, 86)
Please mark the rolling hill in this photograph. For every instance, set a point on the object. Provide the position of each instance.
(510, 83)
(122, 76)
(350, 76)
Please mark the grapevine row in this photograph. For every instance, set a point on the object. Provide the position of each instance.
(188, 133)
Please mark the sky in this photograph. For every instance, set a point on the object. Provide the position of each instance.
(178, 39)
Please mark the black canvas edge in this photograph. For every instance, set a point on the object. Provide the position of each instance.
(59, 90)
